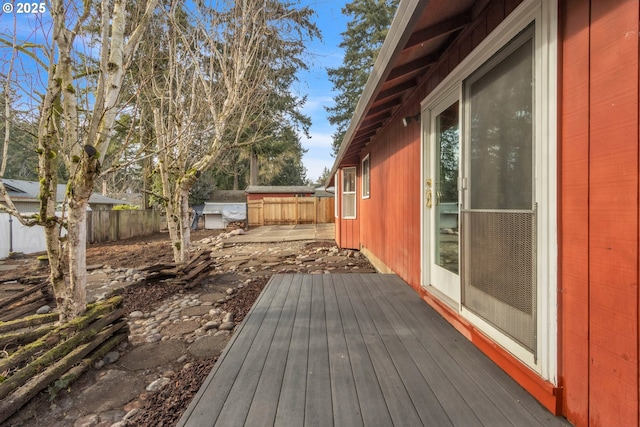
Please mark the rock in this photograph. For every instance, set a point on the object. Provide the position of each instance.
(154, 338)
(134, 404)
(228, 317)
(212, 324)
(230, 291)
(136, 314)
(111, 357)
(43, 310)
(132, 413)
(158, 384)
(227, 326)
(87, 421)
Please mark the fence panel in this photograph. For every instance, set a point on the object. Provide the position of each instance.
(15, 237)
(255, 216)
(290, 210)
(111, 226)
(102, 226)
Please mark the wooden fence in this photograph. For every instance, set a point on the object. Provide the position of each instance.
(102, 226)
(111, 226)
(290, 210)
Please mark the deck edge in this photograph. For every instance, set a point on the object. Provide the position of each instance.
(548, 394)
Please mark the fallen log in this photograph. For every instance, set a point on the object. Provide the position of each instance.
(59, 334)
(15, 339)
(32, 386)
(200, 257)
(6, 301)
(27, 322)
(86, 363)
(196, 271)
(157, 267)
(24, 310)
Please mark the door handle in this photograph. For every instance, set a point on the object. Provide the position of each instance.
(429, 202)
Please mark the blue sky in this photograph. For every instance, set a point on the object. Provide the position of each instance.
(316, 85)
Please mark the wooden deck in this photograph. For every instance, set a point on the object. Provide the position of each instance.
(351, 350)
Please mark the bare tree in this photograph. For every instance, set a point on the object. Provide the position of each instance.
(75, 126)
(220, 68)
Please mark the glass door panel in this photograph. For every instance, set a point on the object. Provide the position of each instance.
(442, 208)
(447, 163)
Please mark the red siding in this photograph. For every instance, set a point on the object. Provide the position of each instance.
(390, 218)
(599, 216)
(574, 208)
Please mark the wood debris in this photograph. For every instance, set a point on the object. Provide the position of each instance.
(196, 271)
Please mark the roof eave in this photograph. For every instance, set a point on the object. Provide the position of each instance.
(407, 16)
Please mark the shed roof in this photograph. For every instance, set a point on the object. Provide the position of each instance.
(419, 35)
(227, 196)
(279, 189)
(27, 191)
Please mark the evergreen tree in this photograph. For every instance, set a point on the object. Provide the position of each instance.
(361, 41)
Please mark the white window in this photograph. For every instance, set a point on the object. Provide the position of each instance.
(366, 180)
(349, 193)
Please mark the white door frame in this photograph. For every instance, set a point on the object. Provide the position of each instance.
(544, 13)
(435, 279)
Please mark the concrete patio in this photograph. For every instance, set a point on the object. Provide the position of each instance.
(286, 233)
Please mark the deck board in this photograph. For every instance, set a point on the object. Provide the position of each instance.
(346, 408)
(355, 349)
(265, 402)
(367, 385)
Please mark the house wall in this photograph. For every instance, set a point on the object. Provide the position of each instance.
(390, 217)
(599, 211)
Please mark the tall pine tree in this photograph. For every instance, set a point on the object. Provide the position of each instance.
(365, 34)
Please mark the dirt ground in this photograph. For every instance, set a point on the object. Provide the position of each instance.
(250, 265)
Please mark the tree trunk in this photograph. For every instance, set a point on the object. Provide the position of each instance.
(77, 246)
(253, 169)
(173, 224)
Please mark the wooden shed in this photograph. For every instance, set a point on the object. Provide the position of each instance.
(258, 192)
(492, 163)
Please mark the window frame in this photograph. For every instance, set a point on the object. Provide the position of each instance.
(366, 177)
(337, 186)
(349, 193)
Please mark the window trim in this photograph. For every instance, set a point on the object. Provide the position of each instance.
(366, 178)
(337, 186)
(350, 193)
